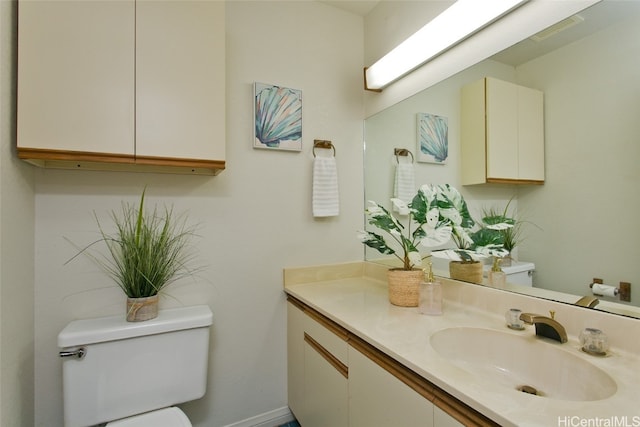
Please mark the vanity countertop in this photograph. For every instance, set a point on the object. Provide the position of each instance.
(357, 299)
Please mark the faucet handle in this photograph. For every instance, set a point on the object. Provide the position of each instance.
(552, 313)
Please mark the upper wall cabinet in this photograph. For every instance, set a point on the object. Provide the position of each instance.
(502, 135)
(122, 85)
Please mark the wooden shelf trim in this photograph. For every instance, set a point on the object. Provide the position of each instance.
(514, 181)
(80, 156)
(90, 160)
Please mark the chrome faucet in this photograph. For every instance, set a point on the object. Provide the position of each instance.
(546, 326)
(588, 301)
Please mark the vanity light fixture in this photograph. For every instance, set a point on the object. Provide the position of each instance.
(459, 21)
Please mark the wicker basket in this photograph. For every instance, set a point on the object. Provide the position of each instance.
(140, 309)
(404, 286)
(466, 271)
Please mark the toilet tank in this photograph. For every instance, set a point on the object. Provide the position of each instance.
(133, 367)
(518, 273)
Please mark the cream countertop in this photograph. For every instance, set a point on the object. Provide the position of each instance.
(354, 295)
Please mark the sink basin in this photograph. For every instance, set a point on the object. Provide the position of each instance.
(523, 363)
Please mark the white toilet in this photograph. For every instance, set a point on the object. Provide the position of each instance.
(129, 374)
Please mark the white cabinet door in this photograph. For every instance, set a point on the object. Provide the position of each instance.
(317, 371)
(75, 84)
(180, 79)
(379, 399)
(325, 392)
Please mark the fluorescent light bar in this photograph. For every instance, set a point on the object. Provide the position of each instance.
(456, 23)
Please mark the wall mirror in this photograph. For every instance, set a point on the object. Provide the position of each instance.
(582, 221)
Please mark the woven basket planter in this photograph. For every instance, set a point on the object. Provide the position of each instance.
(404, 286)
(140, 309)
(466, 271)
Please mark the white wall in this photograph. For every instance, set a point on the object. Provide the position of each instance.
(255, 216)
(589, 203)
(16, 247)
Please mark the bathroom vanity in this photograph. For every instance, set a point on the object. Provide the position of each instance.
(356, 360)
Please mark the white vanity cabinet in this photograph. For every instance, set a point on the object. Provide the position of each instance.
(122, 85)
(502, 133)
(338, 379)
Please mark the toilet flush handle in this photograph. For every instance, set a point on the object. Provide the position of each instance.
(78, 354)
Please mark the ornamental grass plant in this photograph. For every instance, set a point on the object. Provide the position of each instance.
(148, 251)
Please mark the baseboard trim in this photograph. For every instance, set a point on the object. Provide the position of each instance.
(273, 418)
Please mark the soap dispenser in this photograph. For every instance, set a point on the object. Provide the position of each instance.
(497, 277)
(430, 295)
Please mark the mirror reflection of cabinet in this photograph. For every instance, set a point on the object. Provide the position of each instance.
(502, 133)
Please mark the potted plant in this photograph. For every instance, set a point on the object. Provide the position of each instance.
(511, 236)
(425, 225)
(474, 242)
(148, 251)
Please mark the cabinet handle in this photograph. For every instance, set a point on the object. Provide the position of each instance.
(333, 361)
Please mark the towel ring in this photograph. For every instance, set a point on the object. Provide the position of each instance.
(323, 143)
(402, 152)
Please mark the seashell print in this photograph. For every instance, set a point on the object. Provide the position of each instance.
(278, 115)
(433, 134)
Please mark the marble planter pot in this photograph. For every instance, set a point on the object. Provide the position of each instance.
(404, 286)
(140, 309)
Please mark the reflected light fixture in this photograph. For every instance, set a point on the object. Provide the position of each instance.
(459, 21)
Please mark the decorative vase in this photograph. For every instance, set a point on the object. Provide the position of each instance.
(404, 286)
(140, 309)
(466, 271)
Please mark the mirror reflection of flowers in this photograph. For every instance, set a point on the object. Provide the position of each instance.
(436, 215)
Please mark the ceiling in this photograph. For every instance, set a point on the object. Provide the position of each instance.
(590, 21)
(359, 7)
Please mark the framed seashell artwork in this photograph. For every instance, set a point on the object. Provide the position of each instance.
(433, 138)
(278, 117)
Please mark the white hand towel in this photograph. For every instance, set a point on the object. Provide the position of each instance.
(404, 184)
(325, 187)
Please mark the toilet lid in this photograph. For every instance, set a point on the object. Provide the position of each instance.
(167, 417)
